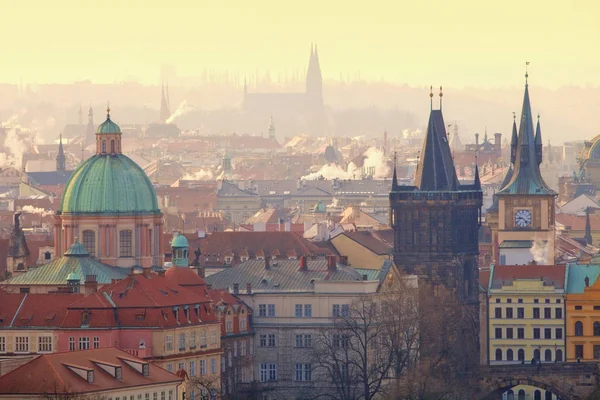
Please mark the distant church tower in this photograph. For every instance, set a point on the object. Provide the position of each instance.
(436, 220)
(165, 109)
(60, 158)
(522, 214)
(271, 129)
(90, 130)
(314, 80)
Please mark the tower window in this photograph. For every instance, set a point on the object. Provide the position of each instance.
(89, 242)
(125, 244)
(104, 146)
(112, 146)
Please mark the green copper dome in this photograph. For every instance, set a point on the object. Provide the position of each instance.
(73, 276)
(179, 241)
(108, 185)
(108, 127)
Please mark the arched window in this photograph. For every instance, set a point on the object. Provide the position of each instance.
(559, 357)
(47, 255)
(521, 355)
(125, 245)
(498, 355)
(537, 395)
(521, 395)
(596, 328)
(548, 355)
(536, 354)
(509, 355)
(578, 328)
(104, 146)
(548, 395)
(112, 146)
(89, 241)
(510, 395)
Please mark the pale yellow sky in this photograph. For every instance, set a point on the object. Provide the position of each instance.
(455, 43)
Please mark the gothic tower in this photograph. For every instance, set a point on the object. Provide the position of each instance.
(271, 129)
(90, 130)
(436, 220)
(314, 80)
(522, 216)
(16, 260)
(60, 158)
(165, 111)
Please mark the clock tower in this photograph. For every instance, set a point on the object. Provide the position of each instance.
(522, 215)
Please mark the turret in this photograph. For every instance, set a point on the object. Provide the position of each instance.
(179, 247)
(538, 141)
(314, 79)
(73, 281)
(60, 157)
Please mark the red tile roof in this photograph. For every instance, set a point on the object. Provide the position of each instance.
(484, 278)
(45, 310)
(552, 275)
(9, 304)
(184, 277)
(577, 222)
(51, 372)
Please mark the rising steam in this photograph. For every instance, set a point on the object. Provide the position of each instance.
(36, 210)
(183, 109)
(374, 158)
(539, 251)
(202, 175)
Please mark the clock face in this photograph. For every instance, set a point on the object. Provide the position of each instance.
(523, 218)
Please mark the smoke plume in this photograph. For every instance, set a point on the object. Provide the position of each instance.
(15, 145)
(202, 175)
(334, 171)
(183, 109)
(376, 158)
(36, 210)
(539, 251)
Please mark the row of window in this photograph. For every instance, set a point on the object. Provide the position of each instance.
(579, 351)
(537, 395)
(579, 328)
(45, 344)
(509, 356)
(535, 301)
(202, 367)
(192, 341)
(163, 396)
(509, 313)
(84, 343)
(303, 310)
(536, 333)
(125, 242)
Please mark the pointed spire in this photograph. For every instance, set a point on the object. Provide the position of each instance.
(395, 176)
(477, 181)
(165, 113)
(60, 157)
(441, 95)
(538, 141)
(588, 227)
(513, 141)
(431, 98)
(435, 169)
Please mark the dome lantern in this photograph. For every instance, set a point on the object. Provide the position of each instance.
(179, 246)
(108, 137)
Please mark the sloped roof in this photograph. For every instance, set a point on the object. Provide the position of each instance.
(577, 222)
(77, 260)
(26, 380)
(373, 240)
(283, 277)
(579, 205)
(43, 310)
(551, 275)
(577, 274)
(50, 178)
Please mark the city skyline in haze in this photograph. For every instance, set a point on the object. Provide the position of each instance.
(462, 43)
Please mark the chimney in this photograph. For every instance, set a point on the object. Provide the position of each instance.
(303, 264)
(365, 277)
(267, 263)
(236, 288)
(248, 288)
(91, 284)
(331, 263)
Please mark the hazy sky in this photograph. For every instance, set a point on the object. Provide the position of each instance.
(455, 43)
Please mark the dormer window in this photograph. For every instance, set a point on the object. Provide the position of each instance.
(244, 258)
(90, 376)
(85, 318)
(119, 373)
(176, 313)
(146, 369)
(186, 310)
(227, 260)
(197, 310)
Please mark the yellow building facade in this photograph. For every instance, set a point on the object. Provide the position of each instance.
(526, 313)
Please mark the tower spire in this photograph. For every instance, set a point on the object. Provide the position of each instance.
(477, 180)
(431, 98)
(395, 176)
(441, 95)
(538, 141)
(60, 157)
(514, 139)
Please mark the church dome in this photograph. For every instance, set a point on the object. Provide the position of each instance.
(109, 184)
(179, 241)
(108, 127)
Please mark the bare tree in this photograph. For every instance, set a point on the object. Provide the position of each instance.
(371, 343)
(58, 392)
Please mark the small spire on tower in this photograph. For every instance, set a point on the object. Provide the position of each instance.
(431, 97)
(526, 72)
(107, 110)
(395, 176)
(441, 95)
(477, 181)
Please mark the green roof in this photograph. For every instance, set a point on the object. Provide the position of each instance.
(108, 127)
(179, 240)
(60, 270)
(577, 274)
(516, 244)
(73, 276)
(109, 184)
